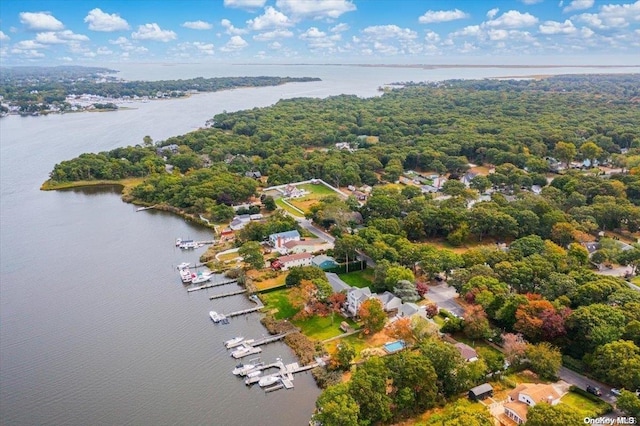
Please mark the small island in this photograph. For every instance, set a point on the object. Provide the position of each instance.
(45, 90)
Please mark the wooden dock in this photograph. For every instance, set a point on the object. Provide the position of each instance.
(231, 293)
(271, 339)
(244, 311)
(209, 285)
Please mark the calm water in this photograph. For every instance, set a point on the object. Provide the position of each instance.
(95, 326)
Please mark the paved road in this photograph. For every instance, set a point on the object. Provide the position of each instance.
(445, 297)
(581, 381)
(306, 224)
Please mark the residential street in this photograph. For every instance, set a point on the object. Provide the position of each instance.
(444, 296)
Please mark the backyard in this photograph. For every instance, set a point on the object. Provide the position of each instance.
(316, 192)
(585, 406)
(358, 279)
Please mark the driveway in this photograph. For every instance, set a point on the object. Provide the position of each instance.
(445, 297)
(581, 381)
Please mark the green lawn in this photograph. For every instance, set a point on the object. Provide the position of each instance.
(635, 280)
(354, 340)
(320, 328)
(288, 208)
(317, 189)
(585, 406)
(474, 343)
(279, 300)
(358, 279)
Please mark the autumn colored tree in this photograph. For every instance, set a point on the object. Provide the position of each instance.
(432, 310)
(341, 359)
(514, 348)
(302, 296)
(539, 320)
(476, 324)
(372, 315)
(336, 301)
(402, 329)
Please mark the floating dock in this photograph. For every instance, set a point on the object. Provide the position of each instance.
(231, 293)
(209, 285)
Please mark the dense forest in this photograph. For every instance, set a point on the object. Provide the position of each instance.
(531, 285)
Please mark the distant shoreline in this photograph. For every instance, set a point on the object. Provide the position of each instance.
(440, 66)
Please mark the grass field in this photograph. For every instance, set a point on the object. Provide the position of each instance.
(287, 208)
(320, 328)
(358, 279)
(268, 283)
(585, 406)
(279, 301)
(316, 192)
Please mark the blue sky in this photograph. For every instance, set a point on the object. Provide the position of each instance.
(362, 31)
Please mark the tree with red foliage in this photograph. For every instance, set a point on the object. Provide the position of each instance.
(540, 320)
(514, 348)
(336, 301)
(402, 329)
(422, 288)
(432, 310)
(372, 315)
(476, 324)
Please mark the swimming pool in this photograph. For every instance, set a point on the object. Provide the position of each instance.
(392, 347)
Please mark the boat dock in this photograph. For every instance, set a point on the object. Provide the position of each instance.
(285, 375)
(270, 339)
(244, 311)
(209, 285)
(231, 293)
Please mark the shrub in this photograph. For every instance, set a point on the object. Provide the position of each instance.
(325, 378)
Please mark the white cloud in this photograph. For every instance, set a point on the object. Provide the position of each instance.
(432, 37)
(554, 27)
(513, 19)
(530, 2)
(197, 25)
(586, 32)
(28, 45)
(313, 32)
(434, 16)
(153, 32)
(339, 28)
(492, 13)
(245, 4)
(120, 41)
(126, 45)
(234, 44)
(273, 35)
(27, 53)
(230, 29)
(317, 39)
(104, 51)
(612, 16)
(385, 49)
(4, 37)
(468, 31)
(381, 32)
(61, 37)
(66, 59)
(271, 19)
(316, 9)
(495, 35)
(206, 48)
(578, 5)
(275, 46)
(40, 21)
(101, 21)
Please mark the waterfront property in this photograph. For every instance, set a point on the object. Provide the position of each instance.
(279, 239)
(286, 262)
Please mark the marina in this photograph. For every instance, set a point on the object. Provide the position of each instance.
(282, 379)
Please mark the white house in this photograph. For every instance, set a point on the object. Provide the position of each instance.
(355, 297)
(409, 309)
(293, 260)
(310, 245)
(528, 395)
(278, 240)
(292, 191)
(389, 301)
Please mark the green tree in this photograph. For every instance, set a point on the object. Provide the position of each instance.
(629, 403)
(618, 363)
(565, 151)
(372, 316)
(414, 381)
(546, 414)
(448, 365)
(406, 290)
(480, 183)
(397, 273)
(368, 387)
(345, 353)
(251, 252)
(591, 151)
(336, 407)
(269, 203)
(544, 359)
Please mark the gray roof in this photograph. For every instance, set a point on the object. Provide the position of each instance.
(286, 234)
(485, 387)
(336, 283)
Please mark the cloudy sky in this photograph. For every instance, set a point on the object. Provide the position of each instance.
(402, 31)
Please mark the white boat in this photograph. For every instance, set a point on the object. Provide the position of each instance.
(232, 343)
(216, 317)
(268, 381)
(242, 368)
(186, 276)
(178, 242)
(245, 350)
(184, 265)
(201, 278)
(189, 244)
(254, 373)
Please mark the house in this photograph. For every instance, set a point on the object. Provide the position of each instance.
(468, 353)
(310, 245)
(172, 148)
(278, 240)
(409, 309)
(324, 262)
(253, 174)
(257, 216)
(343, 145)
(390, 302)
(467, 178)
(366, 189)
(439, 181)
(481, 392)
(336, 283)
(360, 196)
(355, 297)
(292, 191)
(528, 395)
(240, 222)
(293, 260)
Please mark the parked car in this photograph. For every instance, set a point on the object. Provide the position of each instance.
(616, 392)
(594, 390)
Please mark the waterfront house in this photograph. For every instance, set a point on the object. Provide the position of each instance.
(310, 245)
(240, 222)
(278, 240)
(355, 297)
(287, 262)
(528, 395)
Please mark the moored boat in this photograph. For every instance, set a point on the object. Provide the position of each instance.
(232, 343)
(268, 381)
(186, 276)
(216, 317)
(184, 265)
(245, 350)
(201, 278)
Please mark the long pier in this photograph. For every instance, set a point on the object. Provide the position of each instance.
(231, 293)
(285, 375)
(270, 339)
(209, 285)
(244, 311)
